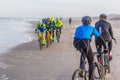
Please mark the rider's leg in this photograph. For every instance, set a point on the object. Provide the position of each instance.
(60, 30)
(98, 45)
(90, 57)
(82, 60)
(43, 38)
(110, 45)
(110, 48)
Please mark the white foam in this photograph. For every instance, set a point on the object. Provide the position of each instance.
(13, 33)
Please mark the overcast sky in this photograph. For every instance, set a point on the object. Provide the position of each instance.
(57, 8)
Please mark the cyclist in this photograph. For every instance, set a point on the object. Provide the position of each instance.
(52, 20)
(105, 29)
(59, 24)
(82, 38)
(49, 28)
(70, 21)
(42, 27)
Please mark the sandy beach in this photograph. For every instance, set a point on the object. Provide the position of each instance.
(58, 62)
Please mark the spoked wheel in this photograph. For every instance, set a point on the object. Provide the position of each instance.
(99, 71)
(86, 75)
(58, 35)
(40, 43)
(76, 75)
(48, 39)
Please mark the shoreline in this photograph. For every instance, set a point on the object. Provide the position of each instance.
(27, 37)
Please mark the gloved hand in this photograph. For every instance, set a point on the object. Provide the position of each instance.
(115, 40)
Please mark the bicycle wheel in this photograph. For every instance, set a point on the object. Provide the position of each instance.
(40, 39)
(86, 77)
(76, 74)
(99, 71)
(107, 64)
(47, 39)
(40, 43)
(58, 35)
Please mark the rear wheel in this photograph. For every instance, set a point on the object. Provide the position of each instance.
(76, 74)
(99, 71)
(86, 75)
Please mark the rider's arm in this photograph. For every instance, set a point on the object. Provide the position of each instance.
(111, 31)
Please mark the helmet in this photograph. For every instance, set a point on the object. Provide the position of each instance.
(86, 20)
(57, 19)
(103, 16)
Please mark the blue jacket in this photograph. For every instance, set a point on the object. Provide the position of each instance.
(41, 29)
(86, 32)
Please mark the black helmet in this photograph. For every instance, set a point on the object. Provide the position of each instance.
(103, 16)
(86, 20)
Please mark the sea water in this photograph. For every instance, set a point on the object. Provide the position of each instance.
(14, 32)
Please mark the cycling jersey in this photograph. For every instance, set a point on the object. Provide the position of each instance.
(41, 28)
(105, 29)
(58, 23)
(85, 32)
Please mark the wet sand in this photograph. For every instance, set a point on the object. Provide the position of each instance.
(58, 62)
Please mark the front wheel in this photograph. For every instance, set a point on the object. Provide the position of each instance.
(58, 35)
(40, 43)
(47, 39)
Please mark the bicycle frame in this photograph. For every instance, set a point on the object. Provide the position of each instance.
(85, 72)
(40, 39)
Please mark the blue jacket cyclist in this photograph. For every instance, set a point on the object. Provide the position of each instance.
(82, 38)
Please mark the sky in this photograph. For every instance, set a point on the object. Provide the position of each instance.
(57, 8)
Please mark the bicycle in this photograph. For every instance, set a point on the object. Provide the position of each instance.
(40, 39)
(98, 68)
(58, 34)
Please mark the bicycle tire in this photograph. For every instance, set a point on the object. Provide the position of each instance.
(40, 43)
(86, 77)
(58, 35)
(100, 71)
(39, 40)
(76, 74)
(47, 39)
